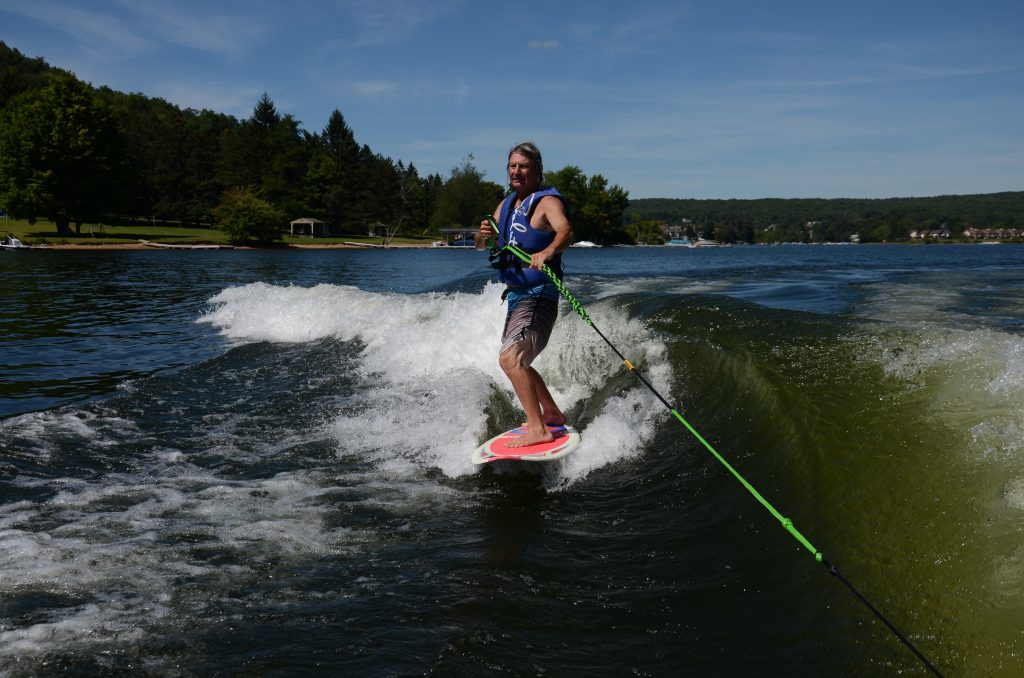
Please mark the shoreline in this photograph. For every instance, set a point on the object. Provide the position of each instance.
(83, 247)
(105, 247)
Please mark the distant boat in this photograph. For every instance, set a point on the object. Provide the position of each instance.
(701, 242)
(186, 247)
(12, 243)
(461, 243)
(584, 243)
(457, 237)
(679, 242)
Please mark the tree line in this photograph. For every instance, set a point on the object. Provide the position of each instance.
(76, 154)
(830, 220)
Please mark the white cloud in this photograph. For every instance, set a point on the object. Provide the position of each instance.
(231, 98)
(390, 21)
(200, 29)
(375, 88)
(127, 28)
(633, 31)
(99, 31)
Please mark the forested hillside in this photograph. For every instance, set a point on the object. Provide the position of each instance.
(75, 154)
(823, 220)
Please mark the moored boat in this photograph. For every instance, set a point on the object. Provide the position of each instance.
(12, 243)
(167, 246)
(701, 242)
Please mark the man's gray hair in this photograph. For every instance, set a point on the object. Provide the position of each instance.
(530, 150)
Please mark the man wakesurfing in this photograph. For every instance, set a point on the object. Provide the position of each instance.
(533, 218)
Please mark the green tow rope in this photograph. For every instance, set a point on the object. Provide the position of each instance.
(786, 522)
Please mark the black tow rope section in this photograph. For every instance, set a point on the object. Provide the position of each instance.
(786, 522)
(834, 571)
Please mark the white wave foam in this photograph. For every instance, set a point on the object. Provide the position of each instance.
(908, 304)
(1014, 494)
(626, 422)
(35, 431)
(973, 377)
(411, 334)
(622, 430)
(429, 366)
(603, 288)
(125, 551)
(144, 550)
(103, 560)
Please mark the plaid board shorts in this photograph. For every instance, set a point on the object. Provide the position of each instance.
(528, 326)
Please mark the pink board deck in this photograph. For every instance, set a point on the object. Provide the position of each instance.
(496, 449)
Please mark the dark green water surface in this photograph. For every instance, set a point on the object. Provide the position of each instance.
(257, 463)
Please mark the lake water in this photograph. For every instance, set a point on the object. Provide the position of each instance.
(257, 462)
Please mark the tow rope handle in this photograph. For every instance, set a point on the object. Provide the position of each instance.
(566, 294)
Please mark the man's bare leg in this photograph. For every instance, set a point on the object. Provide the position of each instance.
(551, 413)
(524, 382)
(531, 390)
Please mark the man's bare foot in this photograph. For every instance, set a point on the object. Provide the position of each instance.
(554, 420)
(532, 437)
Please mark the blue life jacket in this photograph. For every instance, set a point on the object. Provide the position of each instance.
(514, 228)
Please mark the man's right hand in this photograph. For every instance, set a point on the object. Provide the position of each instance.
(486, 232)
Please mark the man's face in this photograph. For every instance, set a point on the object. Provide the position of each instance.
(522, 174)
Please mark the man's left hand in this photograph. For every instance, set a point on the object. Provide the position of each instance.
(538, 259)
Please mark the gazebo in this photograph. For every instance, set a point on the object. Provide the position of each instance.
(309, 226)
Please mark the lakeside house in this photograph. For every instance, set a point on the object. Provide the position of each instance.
(931, 234)
(993, 233)
(677, 231)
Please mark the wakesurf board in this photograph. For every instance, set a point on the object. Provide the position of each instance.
(566, 440)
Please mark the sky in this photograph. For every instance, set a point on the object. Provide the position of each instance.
(673, 99)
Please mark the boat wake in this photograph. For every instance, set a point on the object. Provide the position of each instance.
(430, 386)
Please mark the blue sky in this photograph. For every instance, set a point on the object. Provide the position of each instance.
(698, 99)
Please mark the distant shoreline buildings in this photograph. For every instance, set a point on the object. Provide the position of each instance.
(969, 234)
(679, 230)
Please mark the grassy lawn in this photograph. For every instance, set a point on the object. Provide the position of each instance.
(45, 233)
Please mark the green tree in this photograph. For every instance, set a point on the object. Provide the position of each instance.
(19, 74)
(203, 131)
(245, 217)
(734, 232)
(571, 182)
(172, 155)
(330, 179)
(267, 151)
(465, 198)
(61, 154)
(595, 208)
(432, 185)
(646, 230)
(414, 205)
(376, 195)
